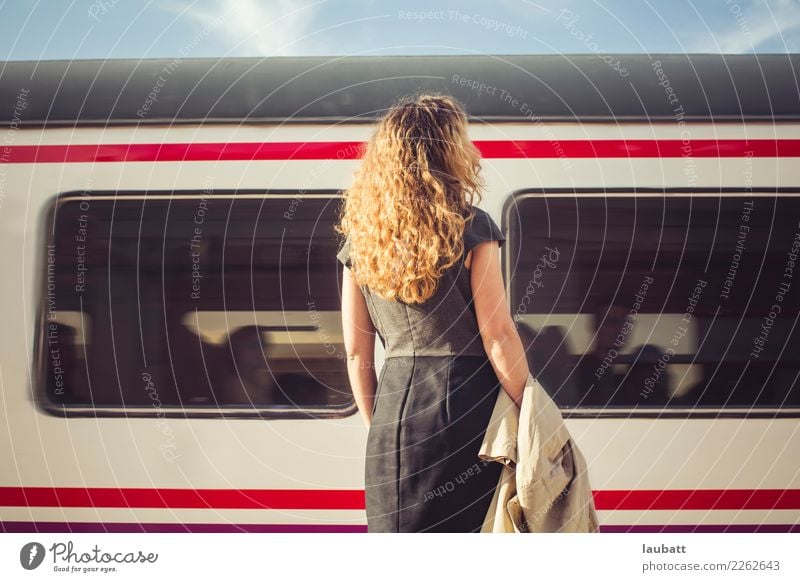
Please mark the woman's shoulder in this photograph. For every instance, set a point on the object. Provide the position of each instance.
(481, 228)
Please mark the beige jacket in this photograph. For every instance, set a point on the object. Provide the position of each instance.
(544, 484)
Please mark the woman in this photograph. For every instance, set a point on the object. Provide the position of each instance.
(421, 269)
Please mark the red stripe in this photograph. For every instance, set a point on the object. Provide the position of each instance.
(641, 500)
(180, 152)
(350, 150)
(182, 498)
(677, 499)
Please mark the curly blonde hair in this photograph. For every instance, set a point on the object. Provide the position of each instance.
(409, 202)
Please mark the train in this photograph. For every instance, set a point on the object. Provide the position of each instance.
(171, 358)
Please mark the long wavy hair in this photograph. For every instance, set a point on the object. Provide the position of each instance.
(409, 202)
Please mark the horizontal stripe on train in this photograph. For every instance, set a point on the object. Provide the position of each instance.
(490, 149)
(241, 517)
(671, 499)
(252, 516)
(98, 527)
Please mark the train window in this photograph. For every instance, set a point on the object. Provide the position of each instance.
(194, 304)
(659, 301)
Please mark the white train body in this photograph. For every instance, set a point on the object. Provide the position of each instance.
(96, 466)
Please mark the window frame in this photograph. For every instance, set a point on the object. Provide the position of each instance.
(513, 199)
(39, 368)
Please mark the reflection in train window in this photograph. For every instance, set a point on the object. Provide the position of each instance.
(194, 302)
(659, 301)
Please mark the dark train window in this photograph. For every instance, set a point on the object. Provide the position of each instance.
(659, 301)
(194, 303)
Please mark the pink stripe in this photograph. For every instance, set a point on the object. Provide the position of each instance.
(704, 528)
(121, 527)
(350, 150)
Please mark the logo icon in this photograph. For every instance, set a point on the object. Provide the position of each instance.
(31, 555)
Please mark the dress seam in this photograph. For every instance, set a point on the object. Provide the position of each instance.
(447, 390)
(379, 323)
(399, 448)
(410, 330)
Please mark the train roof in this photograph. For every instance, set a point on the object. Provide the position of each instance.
(493, 88)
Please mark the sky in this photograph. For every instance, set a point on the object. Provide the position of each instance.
(109, 29)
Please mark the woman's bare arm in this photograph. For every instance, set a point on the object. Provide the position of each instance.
(500, 337)
(359, 345)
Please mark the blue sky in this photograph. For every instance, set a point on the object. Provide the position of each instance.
(53, 29)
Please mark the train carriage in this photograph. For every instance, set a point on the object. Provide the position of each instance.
(172, 355)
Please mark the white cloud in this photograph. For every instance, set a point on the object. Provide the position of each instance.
(250, 27)
(751, 25)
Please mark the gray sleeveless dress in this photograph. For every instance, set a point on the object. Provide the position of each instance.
(435, 396)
